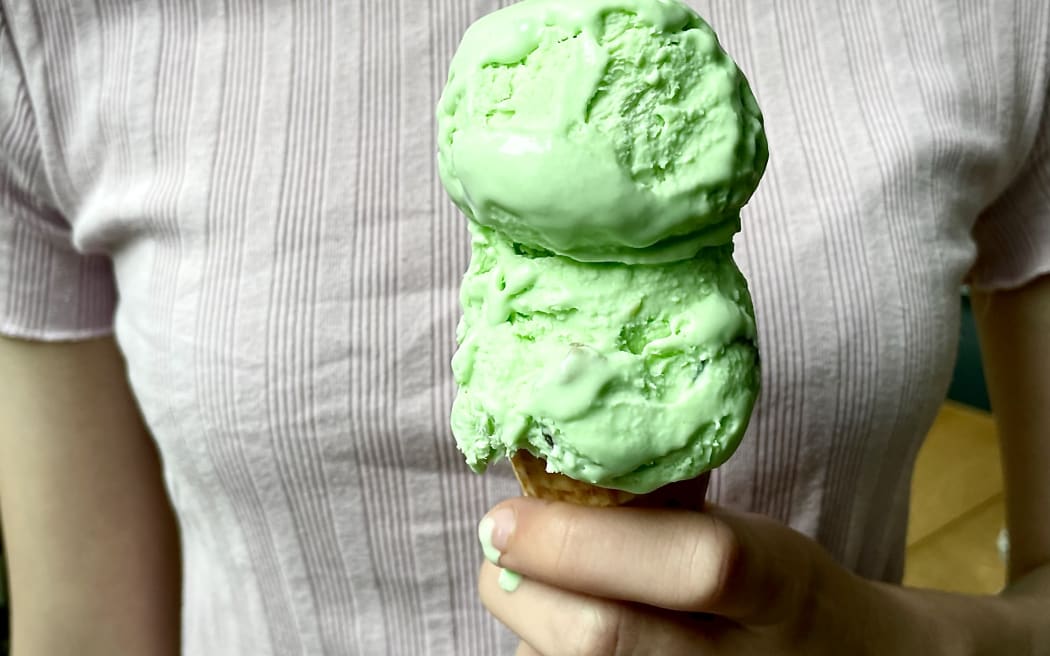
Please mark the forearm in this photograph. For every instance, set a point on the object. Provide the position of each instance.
(89, 533)
(1014, 326)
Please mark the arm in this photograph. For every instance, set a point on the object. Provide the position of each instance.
(89, 532)
(1015, 343)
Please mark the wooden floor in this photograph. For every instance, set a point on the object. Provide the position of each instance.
(957, 506)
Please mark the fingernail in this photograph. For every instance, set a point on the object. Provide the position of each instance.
(509, 580)
(494, 532)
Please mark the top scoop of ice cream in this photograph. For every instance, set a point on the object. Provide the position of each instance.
(603, 130)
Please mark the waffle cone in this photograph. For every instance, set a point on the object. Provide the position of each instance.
(537, 482)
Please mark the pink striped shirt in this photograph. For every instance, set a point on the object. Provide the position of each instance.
(245, 192)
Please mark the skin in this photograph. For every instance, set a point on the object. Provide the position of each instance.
(90, 536)
(89, 529)
(628, 581)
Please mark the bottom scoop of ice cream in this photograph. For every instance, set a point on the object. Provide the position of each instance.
(624, 376)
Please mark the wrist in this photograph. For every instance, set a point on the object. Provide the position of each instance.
(950, 624)
(918, 622)
(1028, 597)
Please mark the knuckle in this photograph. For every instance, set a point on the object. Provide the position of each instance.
(605, 630)
(565, 534)
(802, 593)
(710, 567)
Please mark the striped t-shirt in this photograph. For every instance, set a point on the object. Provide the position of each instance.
(245, 192)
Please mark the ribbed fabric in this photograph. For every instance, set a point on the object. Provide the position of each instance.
(257, 180)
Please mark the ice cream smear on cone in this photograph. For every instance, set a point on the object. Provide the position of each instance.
(602, 151)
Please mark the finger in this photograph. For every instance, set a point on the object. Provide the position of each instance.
(556, 622)
(743, 567)
(525, 650)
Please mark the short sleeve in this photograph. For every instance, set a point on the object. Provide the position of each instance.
(48, 290)
(1013, 235)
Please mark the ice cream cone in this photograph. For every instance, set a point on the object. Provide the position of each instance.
(602, 297)
(537, 482)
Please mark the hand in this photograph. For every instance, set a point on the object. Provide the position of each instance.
(603, 581)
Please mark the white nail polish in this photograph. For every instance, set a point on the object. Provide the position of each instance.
(492, 554)
(509, 580)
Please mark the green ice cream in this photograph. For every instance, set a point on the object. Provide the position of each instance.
(625, 376)
(605, 130)
(602, 150)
